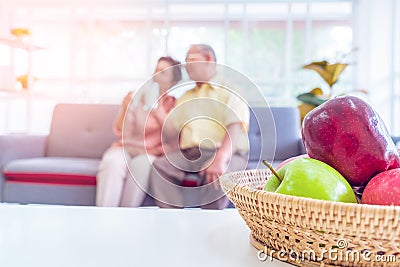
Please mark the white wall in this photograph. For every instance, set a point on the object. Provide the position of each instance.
(374, 39)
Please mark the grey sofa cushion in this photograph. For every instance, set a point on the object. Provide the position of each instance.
(265, 143)
(53, 170)
(29, 193)
(255, 164)
(81, 130)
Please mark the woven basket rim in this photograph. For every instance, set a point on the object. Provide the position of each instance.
(291, 223)
(227, 178)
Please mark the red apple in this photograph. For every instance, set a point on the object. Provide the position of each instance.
(348, 134)
(383, 189)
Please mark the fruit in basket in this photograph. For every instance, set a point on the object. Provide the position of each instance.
(290, 159)
(383, 189)
(347, 134)
(306, 177)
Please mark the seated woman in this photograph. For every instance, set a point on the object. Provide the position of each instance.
(123, 174)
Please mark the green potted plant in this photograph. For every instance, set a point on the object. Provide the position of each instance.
(330, 73)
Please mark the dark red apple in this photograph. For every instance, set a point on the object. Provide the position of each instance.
(383, 189)
(347, 134)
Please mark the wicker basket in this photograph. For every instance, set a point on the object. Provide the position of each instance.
(308, 232)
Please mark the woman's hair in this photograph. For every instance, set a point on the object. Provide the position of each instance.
(176, 70)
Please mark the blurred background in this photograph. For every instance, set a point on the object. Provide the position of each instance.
(95, 51)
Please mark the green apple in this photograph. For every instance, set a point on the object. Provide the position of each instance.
(306, 177)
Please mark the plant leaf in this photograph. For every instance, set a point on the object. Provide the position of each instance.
(329, 72)
(311, 99)
(317, 91)
(335, 70)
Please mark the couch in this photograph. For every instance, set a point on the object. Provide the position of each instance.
(60, 168)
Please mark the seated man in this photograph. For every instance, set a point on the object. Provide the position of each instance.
(211, 124)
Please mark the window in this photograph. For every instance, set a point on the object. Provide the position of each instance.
(395, 71)
(97, 53)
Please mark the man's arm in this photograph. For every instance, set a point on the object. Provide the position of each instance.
(233, 136)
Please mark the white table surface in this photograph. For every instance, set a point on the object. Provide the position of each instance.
(90, 236)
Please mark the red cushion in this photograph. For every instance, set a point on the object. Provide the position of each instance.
(189, 183)
(53, 170)
(51, 178)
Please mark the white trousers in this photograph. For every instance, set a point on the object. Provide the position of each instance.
(120, 185)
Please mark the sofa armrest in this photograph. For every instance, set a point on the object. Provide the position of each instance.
(19, 146)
